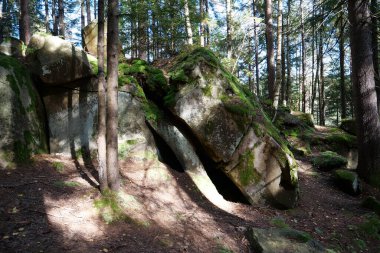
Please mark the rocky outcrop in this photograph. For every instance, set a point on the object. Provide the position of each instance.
(22, 125)
(277, 240)
(230, 126)
(90, 35)
(72, 119)
(348, 181)
(56, 61)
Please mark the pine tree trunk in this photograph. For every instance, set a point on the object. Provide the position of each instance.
(343, 110)
(229, 29)
(88, 11)
(82, 21)
(322, 103)
(208, 37)
(278, 58)
(287, 91)
(202, 24)
(375, 48)
(256, 50)
(55, 17)
(313, 39)
(189, 31)
(47, 28)
(303, 59)
(61, 15)
(95, 8)
(112, 98)
(270, 49)
(102, 144)
(24, 21)
(367, 118)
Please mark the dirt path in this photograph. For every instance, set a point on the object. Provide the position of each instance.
(47, 206)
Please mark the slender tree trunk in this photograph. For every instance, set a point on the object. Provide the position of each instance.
(202, 24)
(270, 49)
(288, 60)
(256, 50)
(313, 39)
(375, 48)
(47, 28)
(82, 22)
(95, 8)
(112, 92)
(322, 103)
(342, 70)
(208, 36)
(188, 23)
(229, 28)
(283, 67)
(24, 22)
(55, 17)
(367, 118)
(88, 11)
(61, 15)
(303, 59)
(102, 144)
(278, 57)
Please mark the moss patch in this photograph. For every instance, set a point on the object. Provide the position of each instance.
(372, 203)
(328, 160)
(247, 171)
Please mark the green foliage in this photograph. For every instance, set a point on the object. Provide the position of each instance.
(125, 147)
(371, 227)
(372, 203)
(59, 167)
(279, 222)
(328, 160)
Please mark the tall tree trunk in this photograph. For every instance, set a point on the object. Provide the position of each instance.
(278, 57)
(95, 8)
(208, 37)
(61, 15)
(82, 22)
(112, 98)
(367, 118)
(256, 50)
(229, 28)
(55, 17)
(189, 30)
(47, 28)
(102, 144)
(270, 49)
(313, 39)
(343, 110)
(375, 48)
(202, 29)
(322, 103)
(88, 11)
(287, 96)
(24, 21)
(303, 59)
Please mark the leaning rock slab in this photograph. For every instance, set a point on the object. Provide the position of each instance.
(56, 61)
(22, 120)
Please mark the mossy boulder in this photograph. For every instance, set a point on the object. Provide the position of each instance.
(348, 181)
(372, 203)
(275, 240)
(328, 160)
(348, 125)
(228, 122)
(305, 118)
(56, 61)
(22, 125)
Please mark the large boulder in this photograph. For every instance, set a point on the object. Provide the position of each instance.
(72, 119)
(230, 126)
(22, 120)
(90, 36)
(56, 61)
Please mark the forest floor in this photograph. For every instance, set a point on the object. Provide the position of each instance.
(52, 205)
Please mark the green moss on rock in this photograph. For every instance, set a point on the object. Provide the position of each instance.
(328, 160)
(247, 171)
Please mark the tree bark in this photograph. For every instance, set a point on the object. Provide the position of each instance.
(112, 92)
(343, 109)
(202, 29)
(322, 103)
(189, 30)
(256, 49)
(367, 118)
(88, 11)
(54, 16)
(102, 144)
(278, 57)
(24, 21)
(287, 95)
(303, 59)
(82, 22)
(375, 48)
(61, 15)
(47, 28)
(270, 49)
(229, 29)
